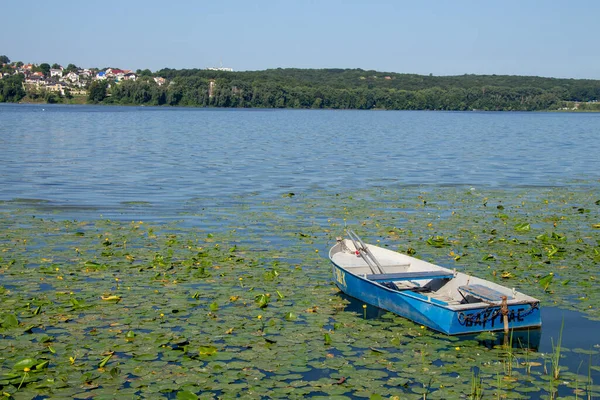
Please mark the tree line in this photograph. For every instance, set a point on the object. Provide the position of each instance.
(332, 89)
(350, 89)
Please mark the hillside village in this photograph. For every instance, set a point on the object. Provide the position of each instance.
(66, 81)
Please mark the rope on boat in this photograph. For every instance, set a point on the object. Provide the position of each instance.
(532, 307)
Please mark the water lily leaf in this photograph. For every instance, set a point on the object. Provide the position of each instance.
(9, 321)
(115, 372)
(207, 350)
(523, 227)
(91, 264)
(437, 241)
(262, 300)
(145, 357)
(25, 363)
(42, 365)
(557, 236)
(78, 303)
(290, 316)
(114, 298)
(507, 275)
(186, 395)
(546, 281)
(270, 275)
(105, 360)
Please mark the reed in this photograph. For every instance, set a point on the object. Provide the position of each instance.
(499, 385)
(556, 348)
(590, 381)
(476, 385)
(577, 391)
(510, 355)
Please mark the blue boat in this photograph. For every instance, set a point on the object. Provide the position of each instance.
(442, 299)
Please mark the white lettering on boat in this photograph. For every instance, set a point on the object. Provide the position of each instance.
(340, 277)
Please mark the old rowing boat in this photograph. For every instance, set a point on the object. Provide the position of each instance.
(440, 298)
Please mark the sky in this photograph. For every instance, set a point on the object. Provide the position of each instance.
(548, 38)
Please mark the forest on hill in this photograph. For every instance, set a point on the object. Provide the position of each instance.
(352, 89)
(334, 89)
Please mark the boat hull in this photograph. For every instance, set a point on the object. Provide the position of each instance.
(433, 313)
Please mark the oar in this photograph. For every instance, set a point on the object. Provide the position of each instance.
(369, 253)
(368, 256)
(365, 253)
(360, 253)
(357, 247)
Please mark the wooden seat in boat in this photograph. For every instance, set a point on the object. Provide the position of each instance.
(410, 276)
(483, 292)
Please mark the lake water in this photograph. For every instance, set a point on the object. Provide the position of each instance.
(156, 163)
(104, 156)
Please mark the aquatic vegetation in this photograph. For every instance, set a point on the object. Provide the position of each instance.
(96, 307)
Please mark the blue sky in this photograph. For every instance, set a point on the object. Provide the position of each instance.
(453, 37)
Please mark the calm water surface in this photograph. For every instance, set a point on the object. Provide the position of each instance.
(104, 156)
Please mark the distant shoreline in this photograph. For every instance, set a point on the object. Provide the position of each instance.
(292, 88)
(33, 102)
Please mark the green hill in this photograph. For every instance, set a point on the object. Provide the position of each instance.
(355, 89)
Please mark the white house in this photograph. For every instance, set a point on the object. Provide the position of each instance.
(71, 77)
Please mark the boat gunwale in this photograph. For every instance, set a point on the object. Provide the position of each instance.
(428, 299)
